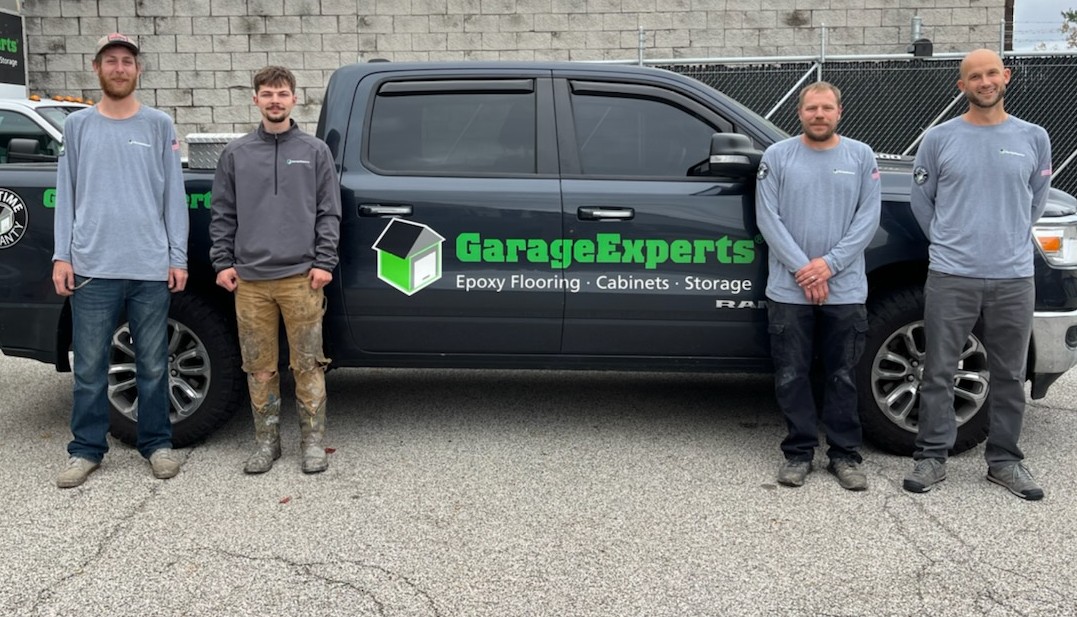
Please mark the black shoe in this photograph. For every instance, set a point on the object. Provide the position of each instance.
(792, 473)
(850, 476)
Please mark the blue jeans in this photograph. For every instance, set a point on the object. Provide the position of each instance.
(96, 308)
(839, 330)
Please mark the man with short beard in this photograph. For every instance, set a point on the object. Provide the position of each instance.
(980, 181)
(120, 247)
(275, 227)
(817, 205)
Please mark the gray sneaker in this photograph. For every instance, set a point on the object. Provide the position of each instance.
(75, 472)
(850, 476)
(926, 473)
(1016, 479)
(792, 473)
(165, 463)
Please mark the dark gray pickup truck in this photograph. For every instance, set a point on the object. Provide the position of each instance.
(550, 215)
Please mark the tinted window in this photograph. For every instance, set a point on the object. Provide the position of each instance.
(638, 137)
(454, 133)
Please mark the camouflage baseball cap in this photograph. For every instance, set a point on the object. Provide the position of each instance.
(115, 38)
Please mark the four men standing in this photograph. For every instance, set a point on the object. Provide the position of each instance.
(980, 182)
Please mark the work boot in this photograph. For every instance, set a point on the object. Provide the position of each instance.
(266, 437)
(312, 427)
(793, 472)
(850, 476)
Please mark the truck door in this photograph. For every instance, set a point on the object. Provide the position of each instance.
(443, 176)
(669, 262)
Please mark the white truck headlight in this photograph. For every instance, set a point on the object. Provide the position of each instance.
(1057, 242)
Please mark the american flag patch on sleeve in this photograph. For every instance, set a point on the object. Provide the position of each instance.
(175, 144)
(1046, 172)
(874, 173)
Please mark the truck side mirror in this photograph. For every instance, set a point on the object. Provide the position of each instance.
(23, 150)
(732, 156)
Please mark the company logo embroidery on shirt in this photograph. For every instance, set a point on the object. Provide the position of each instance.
(138, 143)
(919, 175)
(845, 172)
(296, 162)
(1006, 152)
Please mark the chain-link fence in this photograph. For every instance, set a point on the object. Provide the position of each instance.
(889, 103)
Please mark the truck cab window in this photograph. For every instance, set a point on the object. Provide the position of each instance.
(14, 124)
(454, 133)
(625, 136)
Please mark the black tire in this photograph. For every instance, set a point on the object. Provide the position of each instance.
(206, 383)
(891, 369)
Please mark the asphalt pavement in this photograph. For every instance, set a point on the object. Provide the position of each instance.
(498, 493)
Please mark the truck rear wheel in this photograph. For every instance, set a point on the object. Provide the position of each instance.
(891, 371)
(206, 383)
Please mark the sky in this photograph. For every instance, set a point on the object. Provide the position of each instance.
(1037, 21)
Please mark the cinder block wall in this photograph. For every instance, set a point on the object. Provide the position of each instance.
(200, 54)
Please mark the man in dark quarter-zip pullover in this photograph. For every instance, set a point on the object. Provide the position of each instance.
(275, 227)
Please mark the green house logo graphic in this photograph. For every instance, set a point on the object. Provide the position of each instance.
(409, 255)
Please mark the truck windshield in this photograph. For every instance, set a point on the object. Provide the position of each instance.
(56, 115)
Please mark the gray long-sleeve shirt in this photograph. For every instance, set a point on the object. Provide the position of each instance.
(121, 211)
(275, 206)
(976, 192)
(818, 203)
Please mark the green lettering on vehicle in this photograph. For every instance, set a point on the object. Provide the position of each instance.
(468, 247)
(605, 248)
(198, 200)
(194, 200)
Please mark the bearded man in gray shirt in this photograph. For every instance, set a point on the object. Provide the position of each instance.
(980, 182)
(818, 204)
(120, 234)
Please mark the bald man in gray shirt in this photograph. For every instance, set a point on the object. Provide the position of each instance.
(818, 207)
(980, 181)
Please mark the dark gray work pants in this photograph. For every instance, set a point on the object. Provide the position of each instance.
(953, 304)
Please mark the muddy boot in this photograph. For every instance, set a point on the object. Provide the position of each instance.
(266, 430)
(312, 426)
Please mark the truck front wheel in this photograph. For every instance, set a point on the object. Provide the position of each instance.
(892, 368)
(206, 383)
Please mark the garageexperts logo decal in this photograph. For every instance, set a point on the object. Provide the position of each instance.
(12, 218)
(410, 258)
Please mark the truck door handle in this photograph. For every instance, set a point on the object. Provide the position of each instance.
(381, 210)
(600, 213)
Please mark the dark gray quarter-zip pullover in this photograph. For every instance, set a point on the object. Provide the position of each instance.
(275, 206)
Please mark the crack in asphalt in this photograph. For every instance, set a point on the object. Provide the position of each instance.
(973, 566)
(122, 524)
(308, 569)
